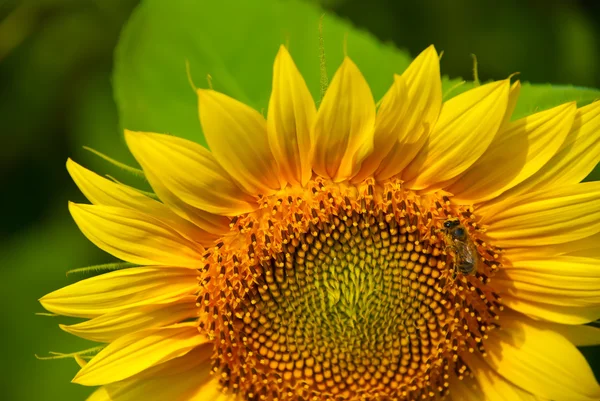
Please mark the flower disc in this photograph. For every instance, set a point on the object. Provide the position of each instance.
(355, 296)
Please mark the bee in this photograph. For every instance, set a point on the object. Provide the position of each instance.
(466, 256)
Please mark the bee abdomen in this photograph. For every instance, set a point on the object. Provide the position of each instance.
(466, 268)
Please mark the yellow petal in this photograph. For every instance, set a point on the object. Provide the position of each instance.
(540, 361)
(580, 336)
(138, 351)
(176, 380)
(407, 113)
(575, 159)
(101, 191)
(516, 153)
(343, 130)
(569, 267)
(542, 295)
(492, 385)
(547, 217)
(513, 97)
(585, 247)
(237, 136)
(110, 326)
(190, 172)
(464, 130)
(388, 123)
(564, 289)
(134, 236)
(562, 280)
(122, 289)
(290, 119)
(552, 313)
(212, 224)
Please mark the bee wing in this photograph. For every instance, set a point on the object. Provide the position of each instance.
(463, 253)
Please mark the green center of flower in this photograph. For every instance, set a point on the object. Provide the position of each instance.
(363, 303)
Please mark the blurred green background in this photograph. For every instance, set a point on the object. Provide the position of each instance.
(55, 78)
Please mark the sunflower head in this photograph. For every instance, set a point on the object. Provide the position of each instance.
(357, 251)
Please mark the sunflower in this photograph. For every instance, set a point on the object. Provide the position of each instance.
(412, 249)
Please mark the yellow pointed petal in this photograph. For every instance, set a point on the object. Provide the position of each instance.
(575, 159)
(565, 298)
(388, 123)
(552, 313)
(160, 388)
(563, 289)
(190, 172)
(541, 361)
(134, 236)
(237, 137)
(569, 267)
(343, 130)
(580, 336)
(214, 225)
(585, 247)
(561, 280)
(411, 125)
(290, 119)
(530, 143)
(175, 380)
(464, 130)
(138, 351)
(547, 217)
(122, 289)
(513, 97)
(110, 326)
(494, 386)
(101, 191)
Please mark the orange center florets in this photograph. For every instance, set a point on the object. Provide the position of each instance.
(347, 292)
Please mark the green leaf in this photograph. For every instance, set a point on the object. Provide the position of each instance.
(237, 47)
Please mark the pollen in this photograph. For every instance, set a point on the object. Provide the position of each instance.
(347, 292)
